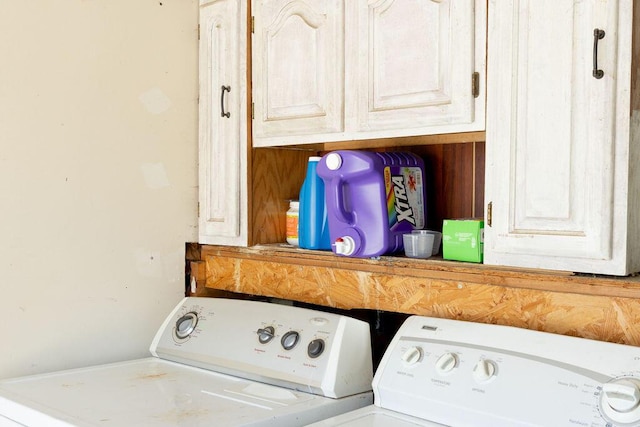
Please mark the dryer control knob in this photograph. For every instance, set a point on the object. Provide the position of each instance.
(412, 356)
(484, 370)
(620, 400)
(446, 363)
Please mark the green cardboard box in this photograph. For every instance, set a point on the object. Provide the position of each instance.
(463, 239)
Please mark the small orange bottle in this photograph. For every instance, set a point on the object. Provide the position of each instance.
(292, 222)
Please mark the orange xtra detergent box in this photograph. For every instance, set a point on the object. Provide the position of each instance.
(463, 239)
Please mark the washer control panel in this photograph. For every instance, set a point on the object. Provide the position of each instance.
(462, 373)
(308, 350)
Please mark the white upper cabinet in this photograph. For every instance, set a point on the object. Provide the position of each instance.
(223, 123)
(298, 68)
(335, 70)
(413, 66)
(560, 190)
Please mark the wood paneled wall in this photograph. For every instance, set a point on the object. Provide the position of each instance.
(276, 179)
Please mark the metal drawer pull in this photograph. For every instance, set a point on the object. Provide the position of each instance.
(598, 34)
(224, 89)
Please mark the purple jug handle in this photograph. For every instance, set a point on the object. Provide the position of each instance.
(335, 197)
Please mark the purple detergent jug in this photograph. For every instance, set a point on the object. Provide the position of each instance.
(372, 200)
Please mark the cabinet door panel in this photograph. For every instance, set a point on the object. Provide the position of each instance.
(222, 216)
(550, 141)
(415, 60)
(298, 67)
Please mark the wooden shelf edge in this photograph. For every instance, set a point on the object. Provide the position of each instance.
(441, 270)
(604, 308)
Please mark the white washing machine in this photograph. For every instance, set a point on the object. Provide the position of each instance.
(439, 372)
(215, 362)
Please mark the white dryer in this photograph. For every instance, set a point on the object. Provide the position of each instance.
(439, 372)
(215, 362)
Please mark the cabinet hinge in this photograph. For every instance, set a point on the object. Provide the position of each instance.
(475, 84)
(489, 213)
(253, 24)
(252, 110)
(198, 31)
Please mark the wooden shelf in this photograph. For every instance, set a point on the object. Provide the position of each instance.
(437, 268)
(605, 308)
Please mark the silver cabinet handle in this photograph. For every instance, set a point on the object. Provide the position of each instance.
(224, 89)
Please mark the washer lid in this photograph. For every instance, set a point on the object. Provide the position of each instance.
(155, 392)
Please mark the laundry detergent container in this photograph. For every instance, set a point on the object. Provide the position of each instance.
(372, 200)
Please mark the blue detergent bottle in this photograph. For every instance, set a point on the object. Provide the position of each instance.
(313, 224)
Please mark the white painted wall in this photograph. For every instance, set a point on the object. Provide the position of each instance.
(98, 176)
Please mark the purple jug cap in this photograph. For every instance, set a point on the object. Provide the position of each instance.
(333, 161)
(345, 245)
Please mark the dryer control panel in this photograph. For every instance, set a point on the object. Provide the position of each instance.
(308, 350)
(462, 373)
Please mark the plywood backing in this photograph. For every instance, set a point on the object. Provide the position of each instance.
(599, 308)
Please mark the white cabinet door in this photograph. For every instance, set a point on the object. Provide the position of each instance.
(337, 70)
(223, 137)
(298, 67)
(557, 144)
(414, 62)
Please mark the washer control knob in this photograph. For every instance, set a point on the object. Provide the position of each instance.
(290, 339)
(484, 370)
(620, 400)
(315, 348)
(186, 324)
(446, 363)
(266, 334)
(412, 356)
